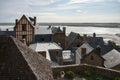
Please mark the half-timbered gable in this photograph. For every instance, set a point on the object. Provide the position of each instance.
(24, 29)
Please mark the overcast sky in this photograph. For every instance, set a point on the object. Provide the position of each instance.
(61, 10)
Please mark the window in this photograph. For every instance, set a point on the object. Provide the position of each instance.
(23, 27)
(78, 45)
(23, 36)
(91, 58)
(42, 39)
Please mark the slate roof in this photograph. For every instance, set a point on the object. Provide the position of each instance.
(56, 29)
(87, 46)
(98, 41)
(44, 46)
(43, 30)
(47, 30)
(38, 47)
(94, 41)
(112, 58)
(23, 62)
(7, 33)
(71, 37)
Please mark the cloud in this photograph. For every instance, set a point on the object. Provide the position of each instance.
(79, 11)
(40, 2)
(84, 1)
(13, 7)
(88, 1)
(78, 18)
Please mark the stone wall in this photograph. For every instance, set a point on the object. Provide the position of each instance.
(93, 59)
(60, 38)
(116, 67)
(78, 68)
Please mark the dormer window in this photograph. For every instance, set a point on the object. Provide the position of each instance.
(24, 27)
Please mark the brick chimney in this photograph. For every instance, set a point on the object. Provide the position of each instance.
(35, 22)
(85, 38)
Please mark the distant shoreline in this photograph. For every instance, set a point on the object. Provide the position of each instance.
(107, 25)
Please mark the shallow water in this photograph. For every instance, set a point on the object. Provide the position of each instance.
(90, 30)
(81, 30)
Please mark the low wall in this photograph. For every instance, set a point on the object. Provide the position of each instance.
(77, 68)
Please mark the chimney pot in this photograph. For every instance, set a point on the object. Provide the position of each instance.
(35, 21)
(85, 38)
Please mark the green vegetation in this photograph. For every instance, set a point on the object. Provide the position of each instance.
(116, 78)
(91, 76)
(70, 75)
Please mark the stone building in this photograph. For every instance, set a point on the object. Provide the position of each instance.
(18, 62)
(74, 40)
(93, 58)
(83, 50)
(51, 51)
(95, 41)
(24, 29)
(60, 38)
(88, 55)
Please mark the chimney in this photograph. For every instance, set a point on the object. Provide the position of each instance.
(7, 29)
(59, 27)
(49, 26)
(64, 29)
(98, 50)
(85, 38)
(35, 21)
(16, 21)
(94, 35)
